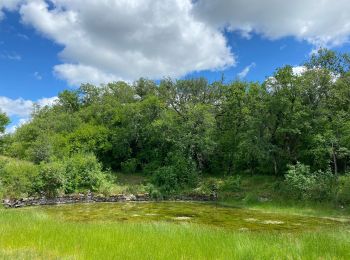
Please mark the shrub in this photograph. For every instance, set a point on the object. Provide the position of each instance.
(343, 195)
(153, 191)
(18, 178)
(251, 198)
(303, 184)
(52, 178)
(83, 172)
(151, 167)
(208, 186)
(232, 183)
(129, 166)
(178, 173)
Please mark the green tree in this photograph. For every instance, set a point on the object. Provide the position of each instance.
(4, 121)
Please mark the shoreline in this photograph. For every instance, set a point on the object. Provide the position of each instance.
(95, 198)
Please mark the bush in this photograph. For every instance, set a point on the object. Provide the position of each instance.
(18, 178)
(153, 191)
(80, 172)
(208, 186)
(232, 183)
(343, 195)
(52, 178)
(178, 174)
(83, 172)
(303, 184)
(129, 166)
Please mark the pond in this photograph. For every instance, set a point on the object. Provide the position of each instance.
(183, 213)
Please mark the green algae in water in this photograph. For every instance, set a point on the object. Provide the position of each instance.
(208, 214)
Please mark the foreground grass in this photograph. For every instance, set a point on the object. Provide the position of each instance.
(33, 235)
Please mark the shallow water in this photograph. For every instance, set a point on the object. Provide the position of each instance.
(183, 213)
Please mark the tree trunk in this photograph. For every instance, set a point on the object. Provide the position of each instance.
(275, 165)
(335, 165)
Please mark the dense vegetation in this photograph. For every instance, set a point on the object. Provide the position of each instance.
(176, 131)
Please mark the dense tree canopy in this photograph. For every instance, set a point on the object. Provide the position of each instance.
(216, 128)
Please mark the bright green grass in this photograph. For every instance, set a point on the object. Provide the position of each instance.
(253, 188)
(34, 234)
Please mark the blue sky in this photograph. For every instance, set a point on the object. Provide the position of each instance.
(46, 47)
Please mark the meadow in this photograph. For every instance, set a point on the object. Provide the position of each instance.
(64, 232)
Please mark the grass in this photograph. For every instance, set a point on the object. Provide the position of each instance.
(33, 235)
(260, 192)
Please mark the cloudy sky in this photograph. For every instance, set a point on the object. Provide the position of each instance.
(47, 46)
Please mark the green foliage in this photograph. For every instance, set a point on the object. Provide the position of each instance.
(4, 121)
(343, 195)
(306, 185)
(51, 179)
(246, 127)
(129, 166)
(178, 173)
(18, 178)
(82, 172)
(207, 186)
(231, 183)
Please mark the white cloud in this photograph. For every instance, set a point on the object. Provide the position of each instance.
(22, 108)
(22, 36)
(14, 127)
(246, 70)
(10, 5)
(127, 39)
(77, 74)
(46, 101)
(10, 56)
(16, 107)
(37, 75)
(298, 70)
(320, 22)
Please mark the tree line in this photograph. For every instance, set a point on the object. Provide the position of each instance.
(181, 128)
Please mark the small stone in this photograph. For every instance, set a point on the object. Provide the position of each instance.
(272, 222)
(251, 219)
(182, 218)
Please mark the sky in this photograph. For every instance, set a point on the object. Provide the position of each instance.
(47, 46)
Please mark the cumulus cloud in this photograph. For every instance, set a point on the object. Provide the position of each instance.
(246, 70)
(11, 129)
(321, 23)
(110, 40)
(127, 39)
(21, 107)
(77, 74)
(299, 70)
(9, 5)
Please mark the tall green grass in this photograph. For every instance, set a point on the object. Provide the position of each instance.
(32, 235)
